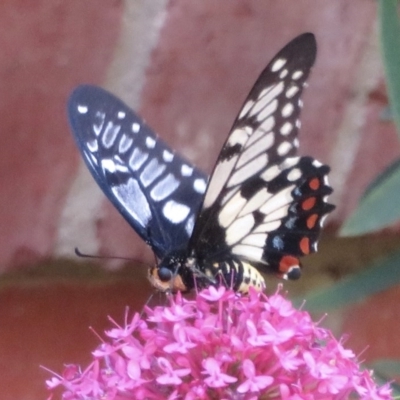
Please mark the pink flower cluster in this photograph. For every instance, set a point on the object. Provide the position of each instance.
(220, 346)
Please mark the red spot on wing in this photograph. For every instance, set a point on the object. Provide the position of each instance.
(305, 245)
(287, 262)
(308, 204)
(311, 220)
(314, 183)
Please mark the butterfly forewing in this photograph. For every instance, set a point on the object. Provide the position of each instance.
(157, 191)
(262, 203)
(265, 130)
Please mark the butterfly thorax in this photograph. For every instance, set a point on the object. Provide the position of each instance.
(182, 272)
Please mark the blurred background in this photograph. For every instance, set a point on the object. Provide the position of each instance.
(186, 67)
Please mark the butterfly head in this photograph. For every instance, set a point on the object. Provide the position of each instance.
(164, 280)
(171, 275)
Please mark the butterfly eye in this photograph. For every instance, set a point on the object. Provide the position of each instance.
(164, 274)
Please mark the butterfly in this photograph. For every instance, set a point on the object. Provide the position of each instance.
(262, 207)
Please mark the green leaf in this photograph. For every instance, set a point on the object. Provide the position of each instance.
(388, 368)
(385, 370)
(380, 179)
(382, 275)
(379, 205)
(389, 25)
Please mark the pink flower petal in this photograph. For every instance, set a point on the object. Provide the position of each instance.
(216, 345)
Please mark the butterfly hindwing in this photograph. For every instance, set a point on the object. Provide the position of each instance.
(282, 220)
(157, 191)
(263, 204)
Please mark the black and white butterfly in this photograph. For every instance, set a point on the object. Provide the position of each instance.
(262, 207)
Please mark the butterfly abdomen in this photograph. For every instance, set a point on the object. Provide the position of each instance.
(236, 274)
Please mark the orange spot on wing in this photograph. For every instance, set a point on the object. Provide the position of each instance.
(311, 220)
(314, 183)
(305, 245)
(309, 203)
(286, 263)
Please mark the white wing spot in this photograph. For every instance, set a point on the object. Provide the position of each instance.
(286, 128)
(239, 228)
(289, 162)
(297, 74)
(98, 122)
(278, 64)
(257, 240)
(277, 201)
(248, 170)
(257, 148)
(150, 142)
(164, 187)
(298, 124)
(137, 158)
(287, 110)
(151, 172)
(271, 173)
(300, 103)
(189, 225)
(125, 143)
(121, 114)
(250, 252)
(92, 145)
(218, 178)
(120, 167)
(294, 174)
(134, 200)
(296, 143)
(267, 111)
(284, 148)
(283, 73)
(246, 108)
(292, 91)
(316, 163)
(82, 109)
(265, 91)
(108, 165)
(265, 99)
(110, 134)
(175, 212)
(167, 156)
(186, 170)
(238, 136)
(231, 210)
(135, 127)
(229, 194)
(266, 126)
(268, 227)
(199, 185)
(256, 202)
(275, 215)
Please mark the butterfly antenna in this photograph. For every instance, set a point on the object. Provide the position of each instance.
(84, 255)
